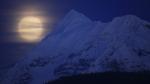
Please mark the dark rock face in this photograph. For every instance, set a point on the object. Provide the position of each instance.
(106, 78)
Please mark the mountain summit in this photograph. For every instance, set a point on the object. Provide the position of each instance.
(79, 45)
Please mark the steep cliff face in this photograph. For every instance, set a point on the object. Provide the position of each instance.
(78, 45)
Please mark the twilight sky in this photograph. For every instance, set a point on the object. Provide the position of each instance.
(11, 11)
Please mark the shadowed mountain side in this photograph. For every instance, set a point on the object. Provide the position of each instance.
(106, 78)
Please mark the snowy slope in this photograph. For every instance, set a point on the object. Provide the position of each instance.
(129, 46)
(79, 45)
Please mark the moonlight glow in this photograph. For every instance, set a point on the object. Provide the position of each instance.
(30, 29)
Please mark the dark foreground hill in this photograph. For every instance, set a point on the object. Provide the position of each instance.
(106, 78)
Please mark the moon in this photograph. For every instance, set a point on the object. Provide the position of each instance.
(30, 29)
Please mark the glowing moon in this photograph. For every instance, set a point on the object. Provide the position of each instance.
(30, 29)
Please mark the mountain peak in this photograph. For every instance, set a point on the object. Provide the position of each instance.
(79, 45)
(72, 18)
(128, 19)
(75, 14)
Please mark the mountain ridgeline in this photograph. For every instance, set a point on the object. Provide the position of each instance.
(79, 45)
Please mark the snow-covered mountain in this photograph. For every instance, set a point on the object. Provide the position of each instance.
(78, 45)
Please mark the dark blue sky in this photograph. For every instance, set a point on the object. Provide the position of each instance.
(103, 10)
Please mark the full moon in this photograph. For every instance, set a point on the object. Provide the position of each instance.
(30, 29)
